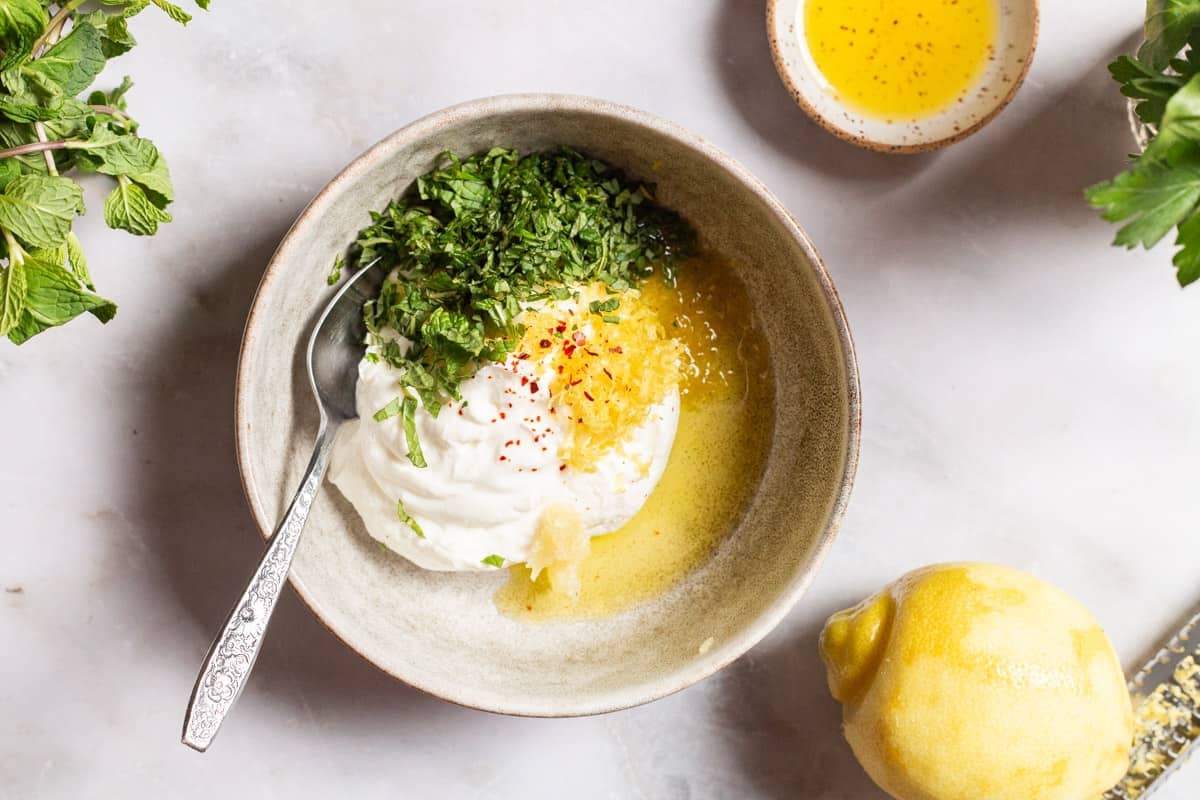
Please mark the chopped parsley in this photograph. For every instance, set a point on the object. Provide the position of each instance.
(493, 561)
(478, 238)
(407, 519)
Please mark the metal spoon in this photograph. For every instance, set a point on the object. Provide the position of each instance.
(334, 350)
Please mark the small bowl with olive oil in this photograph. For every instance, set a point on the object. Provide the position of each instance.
(902, 76)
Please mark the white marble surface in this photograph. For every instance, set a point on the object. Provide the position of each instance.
(1031, 396)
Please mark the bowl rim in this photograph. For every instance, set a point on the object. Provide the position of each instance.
(704, 665)
(868, 143)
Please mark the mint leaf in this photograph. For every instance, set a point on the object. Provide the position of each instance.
(39, 209)
(392, 409)
(128, 208)
(174, 12)
(408, 412)
(407, 519)
(493, 561)
(72, 63)
(21, 23)
(53, 297)
(605, 306)
(78, 262)
(12, 295)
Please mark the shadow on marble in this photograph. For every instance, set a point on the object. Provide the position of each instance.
(742, 55)
(790, 742)
(196, 521)
(1031, 171)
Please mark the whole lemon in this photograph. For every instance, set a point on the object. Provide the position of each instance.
(979, 682)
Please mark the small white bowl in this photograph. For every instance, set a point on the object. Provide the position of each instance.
(1016, 39)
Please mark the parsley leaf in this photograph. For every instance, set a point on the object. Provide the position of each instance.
(1161, 189)
(1169, 24)
(493, 561)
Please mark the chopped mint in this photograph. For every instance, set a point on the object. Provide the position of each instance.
(390, 410)
(409, 418)
(407, 519)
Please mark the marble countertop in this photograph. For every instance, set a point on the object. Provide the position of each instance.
(1031, 396)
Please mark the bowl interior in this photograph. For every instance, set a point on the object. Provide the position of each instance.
(441, 631)
(1016, 38)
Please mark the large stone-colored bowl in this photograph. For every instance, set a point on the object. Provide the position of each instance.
(439, 631)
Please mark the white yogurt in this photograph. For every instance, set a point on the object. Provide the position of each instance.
(493, 468)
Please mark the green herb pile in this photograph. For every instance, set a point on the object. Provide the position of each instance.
(476, 238)
(1161, 189)
(51, 54)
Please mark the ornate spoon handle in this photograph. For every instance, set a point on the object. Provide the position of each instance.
(232, 654)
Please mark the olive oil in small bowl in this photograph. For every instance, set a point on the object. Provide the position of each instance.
(902, 75)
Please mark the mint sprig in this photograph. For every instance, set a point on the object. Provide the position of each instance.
(50, 53)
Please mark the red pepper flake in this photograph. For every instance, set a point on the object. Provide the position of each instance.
(524, 380)
(503, 415)
(562, 467)
(504, 458)
(616, 350)
(533, 469)
(560, 327)
(552, 411)
(508, 443)
(589, 397)
(592, 353)
(543, 449)
(538, 418)
(609, 374)
(569, 349)
(576, 382)
(560, 369)
(493, 420)
(523, 356)
(510, 405)
(544, 343)
(533, 387)
(579, 337)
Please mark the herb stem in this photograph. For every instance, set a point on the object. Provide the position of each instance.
(41, 146)
(47, 151)
(55, 26)
(15, 254)
(112, 111)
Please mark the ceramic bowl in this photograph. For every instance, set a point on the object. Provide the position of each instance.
(441, 632)
(1002, 76)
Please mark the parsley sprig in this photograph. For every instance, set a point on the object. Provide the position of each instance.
(51, 54)
(477, 239)
(1161, 189)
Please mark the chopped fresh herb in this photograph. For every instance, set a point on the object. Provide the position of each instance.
(335, 274)
(392, 409)
(494, 561)
(604, 306)
(408, 418)
(477, 239)
(610, 319)
(407, 519)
